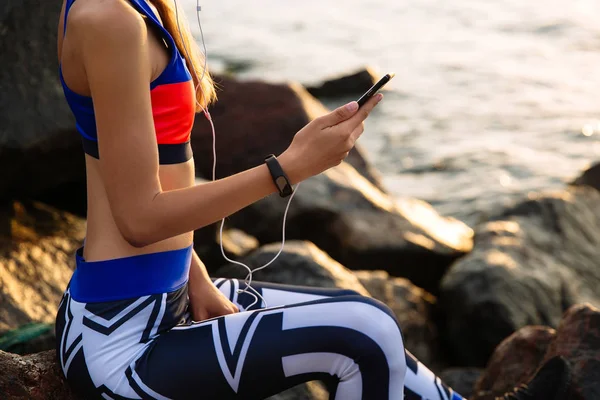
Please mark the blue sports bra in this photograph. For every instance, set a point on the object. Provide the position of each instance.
(172, 95)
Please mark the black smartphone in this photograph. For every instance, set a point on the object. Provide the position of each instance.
(374, 89)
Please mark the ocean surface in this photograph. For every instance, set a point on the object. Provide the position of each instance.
(492, 99)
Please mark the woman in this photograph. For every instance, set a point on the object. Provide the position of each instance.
(141, 318)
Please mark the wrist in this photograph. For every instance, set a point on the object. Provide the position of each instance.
(199, 287)
(290, 165)
(198, 278)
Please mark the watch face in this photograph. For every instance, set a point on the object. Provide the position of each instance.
(281, 182)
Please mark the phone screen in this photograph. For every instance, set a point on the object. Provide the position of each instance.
(374, 89)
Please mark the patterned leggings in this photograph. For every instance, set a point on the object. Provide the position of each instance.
(148, 348)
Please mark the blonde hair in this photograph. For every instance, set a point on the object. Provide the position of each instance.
(180, 31)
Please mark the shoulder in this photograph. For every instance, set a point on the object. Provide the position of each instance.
(112, 24)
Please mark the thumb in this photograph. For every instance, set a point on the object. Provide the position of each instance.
(340, 114)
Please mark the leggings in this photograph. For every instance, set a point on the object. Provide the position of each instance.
(147, 347)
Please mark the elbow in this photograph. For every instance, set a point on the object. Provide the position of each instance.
(136, 241)
(134, 231)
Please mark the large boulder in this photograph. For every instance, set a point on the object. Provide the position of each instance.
(236, 244)
(529, 264)
(578, 340)
(362, 228)
(517, 358)
(590, 177)
(514, 361)
(254, 119)
(302, 263)
(461, 380)
(39, 148)
(37, 244)
(352, 84)
(33, 377)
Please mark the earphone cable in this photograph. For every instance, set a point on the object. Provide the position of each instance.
(248, 280)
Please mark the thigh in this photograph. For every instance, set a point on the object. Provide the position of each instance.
(420, 381)
(275, 294)
(255, 354)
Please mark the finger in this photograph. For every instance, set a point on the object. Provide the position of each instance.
(357, 132)
(364, 111)
(338, 115)
(235, 308)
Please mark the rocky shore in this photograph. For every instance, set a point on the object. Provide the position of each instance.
(483, 306)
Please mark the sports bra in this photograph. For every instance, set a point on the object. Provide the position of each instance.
(172, 95)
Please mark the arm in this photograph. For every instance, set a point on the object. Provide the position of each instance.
(118, 70)
(206, 301)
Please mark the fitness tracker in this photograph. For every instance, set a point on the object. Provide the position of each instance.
(279, 177)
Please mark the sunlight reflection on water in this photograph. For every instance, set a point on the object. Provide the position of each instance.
(492, 99)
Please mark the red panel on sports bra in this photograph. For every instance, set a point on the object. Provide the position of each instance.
(173, 108)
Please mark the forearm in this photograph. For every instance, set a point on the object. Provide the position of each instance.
(171, 213)
(206, 301)
(199, 277)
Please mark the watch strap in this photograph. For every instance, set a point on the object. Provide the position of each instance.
(280, 179)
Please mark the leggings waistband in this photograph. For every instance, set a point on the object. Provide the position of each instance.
(128, 277)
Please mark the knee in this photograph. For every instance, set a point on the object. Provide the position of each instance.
(348, 292)
(377, 321)
(376, 315)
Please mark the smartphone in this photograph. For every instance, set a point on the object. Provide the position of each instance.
(374, 89)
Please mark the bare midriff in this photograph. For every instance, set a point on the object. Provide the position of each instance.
(103, 239)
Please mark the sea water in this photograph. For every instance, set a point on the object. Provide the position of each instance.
(492, 99)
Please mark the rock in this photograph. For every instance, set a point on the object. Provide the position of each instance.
(414, 309)
(39, 148)
(578, 340)
(71, 197)
(516, 359)
(33, 377)
(590, 177)
(528, 265)
(38, 377)
(307, 391)
(362, 227)
(254, 119)
(461, 380)
(301, 263)
(354, 84)
(236, 244)
(37, 244)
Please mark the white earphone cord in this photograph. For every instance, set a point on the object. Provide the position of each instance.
(248, 280)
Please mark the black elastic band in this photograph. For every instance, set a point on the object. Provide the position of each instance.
(167, 153)
(90, 147)
(174, 153)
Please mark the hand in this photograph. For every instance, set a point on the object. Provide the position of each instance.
(326, 141)
(208, 302)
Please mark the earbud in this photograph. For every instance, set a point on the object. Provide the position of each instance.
(248, 280)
